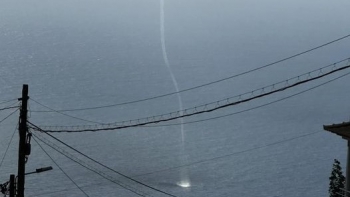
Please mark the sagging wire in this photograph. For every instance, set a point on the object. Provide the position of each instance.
(210, 83)
(169, 117)
(42, 148)
(85, 165)
(8, 146)
(103, 165)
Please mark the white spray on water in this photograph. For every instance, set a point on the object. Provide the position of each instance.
(185, 181)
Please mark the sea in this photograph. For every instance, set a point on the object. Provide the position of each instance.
(81, 54)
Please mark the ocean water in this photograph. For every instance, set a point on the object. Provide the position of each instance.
(78, 54)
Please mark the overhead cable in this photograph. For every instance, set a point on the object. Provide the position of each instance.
(231, 154)
(218, 117)
(199, 109)
(64, 114)
(66, 189)
(238, 112)
(7, 101)
(6, 108)
(101, 164)
(206, 84)
(257, 107)
(8, 116)
(61, 168)
(8, 146)
(88, 167)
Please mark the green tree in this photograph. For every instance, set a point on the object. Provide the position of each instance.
(336, 180)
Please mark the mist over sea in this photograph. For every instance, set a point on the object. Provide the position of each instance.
(81, 54)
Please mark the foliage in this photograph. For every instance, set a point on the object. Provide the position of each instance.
(336, 180)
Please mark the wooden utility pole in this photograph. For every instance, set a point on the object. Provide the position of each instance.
(22, 141)
(12, 185)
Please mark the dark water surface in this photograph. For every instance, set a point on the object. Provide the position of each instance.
(77, 54)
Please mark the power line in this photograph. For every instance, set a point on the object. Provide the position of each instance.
(81, 163)
(231, 154)
(206, 84)
(61, 168)
(8, 115)
(259, 106)
(7, 101)
(50, 192)
(64, 114)
(67, 115)
(6, 108)
(47, 193)
(63, 190)
(217, 117)
(8, 146)
(74, 117)
(217, 106)
(10, 105)
(119, 173)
